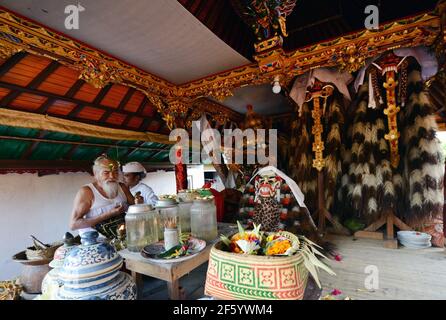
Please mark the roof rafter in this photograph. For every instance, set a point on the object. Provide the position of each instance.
(16, 90)
(43, 75)
(11, 62)
(32, 147)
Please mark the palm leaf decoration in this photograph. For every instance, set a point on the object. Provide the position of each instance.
(310, 255)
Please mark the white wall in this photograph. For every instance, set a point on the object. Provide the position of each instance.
(32, 205)
(197, 173)
(162, 182)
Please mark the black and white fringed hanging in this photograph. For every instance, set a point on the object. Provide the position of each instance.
(412, 186)
(370, 186)
(301, 162)
(423, 169)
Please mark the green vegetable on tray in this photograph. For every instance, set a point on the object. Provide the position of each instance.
(177, 251)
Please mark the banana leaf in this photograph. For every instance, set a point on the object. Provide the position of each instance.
(169, 252)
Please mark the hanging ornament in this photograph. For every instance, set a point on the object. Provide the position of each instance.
(389, 66)
(318, 92)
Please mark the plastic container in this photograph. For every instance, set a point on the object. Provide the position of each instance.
(141, 226)
(204, 219)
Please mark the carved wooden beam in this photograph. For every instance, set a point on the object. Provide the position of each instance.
(99, 69)
(95, 66)
(347, 52)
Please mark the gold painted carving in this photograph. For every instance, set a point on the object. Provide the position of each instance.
(7, 50)
(268, 44)
(96, 73)
(352, 57)
(391, 112)
(415, 31)
(317, 129)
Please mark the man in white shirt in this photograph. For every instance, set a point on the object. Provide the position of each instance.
(134, 172)
(102, 201)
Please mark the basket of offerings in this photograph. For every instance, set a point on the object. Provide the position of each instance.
(256, 265)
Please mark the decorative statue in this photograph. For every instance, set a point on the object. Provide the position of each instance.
(265, 17)
(267, 208)
(274, 200)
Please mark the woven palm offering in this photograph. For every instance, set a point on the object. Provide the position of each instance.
(254, 265)
(109, 228)
(41, 251)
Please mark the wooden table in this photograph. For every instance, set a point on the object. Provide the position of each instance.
(169, 272)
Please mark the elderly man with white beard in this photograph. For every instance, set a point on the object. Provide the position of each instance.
(101, 200)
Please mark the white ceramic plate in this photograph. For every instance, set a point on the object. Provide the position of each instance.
(414, 236)
(415, 246)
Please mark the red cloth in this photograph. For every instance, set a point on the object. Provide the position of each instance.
(180, 173)
(435, 229)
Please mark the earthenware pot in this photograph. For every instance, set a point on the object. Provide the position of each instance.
(91, 272)
(33, 272)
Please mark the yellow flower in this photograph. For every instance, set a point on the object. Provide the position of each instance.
(270, 238)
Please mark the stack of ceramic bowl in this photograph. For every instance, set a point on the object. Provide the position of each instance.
(91, 272)
(414, 239)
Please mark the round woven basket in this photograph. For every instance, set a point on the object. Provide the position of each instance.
(250, 277)
(42, 254)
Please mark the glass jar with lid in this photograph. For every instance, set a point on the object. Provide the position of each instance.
(185, 200)
(187, 195)
(141, 226)
(184, 214)
(167, 208)
(203, 219)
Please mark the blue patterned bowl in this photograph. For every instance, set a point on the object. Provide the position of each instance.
(91, 271)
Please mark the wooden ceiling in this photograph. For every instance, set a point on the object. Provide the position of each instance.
(40, 85)
(220, 17)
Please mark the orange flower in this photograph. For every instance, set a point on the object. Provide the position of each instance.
(278, 247)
